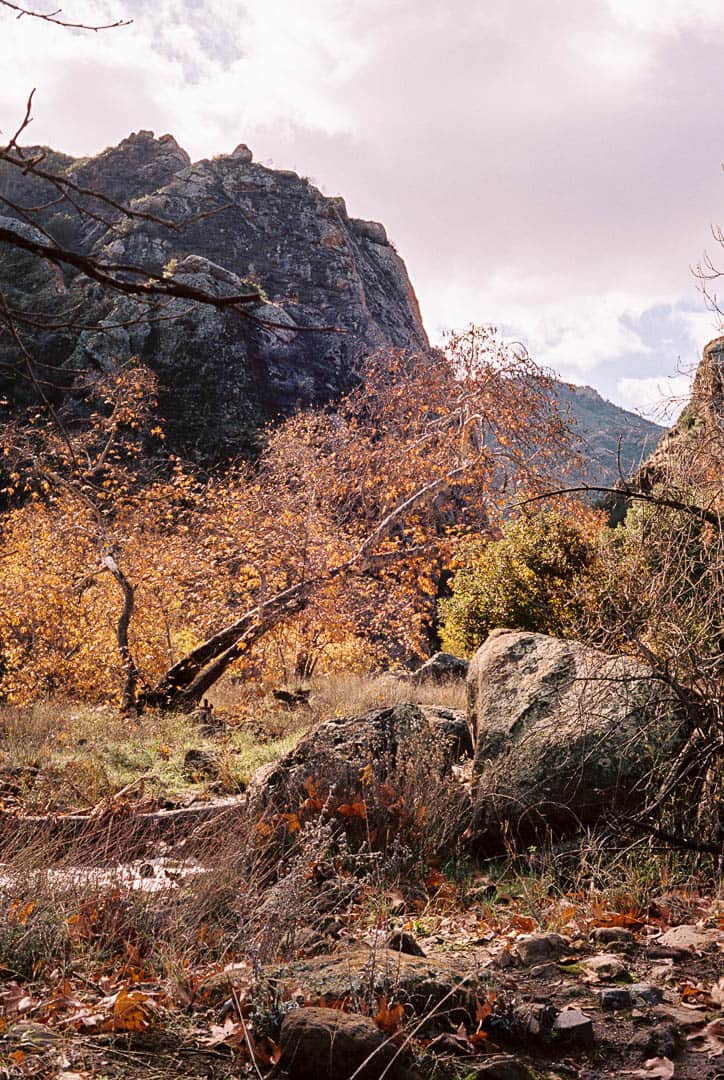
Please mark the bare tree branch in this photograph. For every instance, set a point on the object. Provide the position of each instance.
(53, 17)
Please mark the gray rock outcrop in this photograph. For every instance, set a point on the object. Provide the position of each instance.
(563, 733)
(222, 372)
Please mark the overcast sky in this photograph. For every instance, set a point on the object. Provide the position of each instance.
(551, 167)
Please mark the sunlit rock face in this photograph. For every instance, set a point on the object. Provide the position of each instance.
(336, 288)
(691, 455)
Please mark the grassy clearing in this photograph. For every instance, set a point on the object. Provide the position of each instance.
(56, 755)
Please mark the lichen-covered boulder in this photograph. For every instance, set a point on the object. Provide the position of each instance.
(341, 757)
(563, 734)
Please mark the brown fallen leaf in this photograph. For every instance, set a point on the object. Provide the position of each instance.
(230, 1033)
(710, 1038)
(658, 1068)
(131, 1011)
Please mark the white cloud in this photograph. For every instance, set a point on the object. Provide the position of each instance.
(550, 168)
(660, 398)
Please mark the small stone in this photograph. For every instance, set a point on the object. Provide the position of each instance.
(502, 1067)
(612, 935)
(327, 1044)
(605, 966)
(535, 947)
(440, 668)
(688, 938)
(502, 959)
(573, 1026)
(535, 1018)
(201, 763)
(686, 1019)
(401, 941)
(546, 971)
(645, 994)
(613, 998)
(664, 1040)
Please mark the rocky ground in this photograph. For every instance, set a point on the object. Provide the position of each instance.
(348, 916)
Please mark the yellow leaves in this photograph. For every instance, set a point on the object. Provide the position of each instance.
(366, 775)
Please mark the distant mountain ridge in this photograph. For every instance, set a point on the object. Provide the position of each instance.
(614, 441)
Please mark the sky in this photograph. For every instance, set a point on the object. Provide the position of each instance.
(553, 168)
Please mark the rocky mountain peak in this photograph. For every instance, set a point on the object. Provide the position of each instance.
(336, 288)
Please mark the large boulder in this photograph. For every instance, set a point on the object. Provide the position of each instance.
(373, 774)
(563, 734)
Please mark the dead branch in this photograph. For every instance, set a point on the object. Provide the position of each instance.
(53, 17)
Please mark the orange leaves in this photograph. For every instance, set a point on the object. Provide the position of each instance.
(19, 912)
(356, 809)
(292, 822)
(389, 1017)
(131, 1011)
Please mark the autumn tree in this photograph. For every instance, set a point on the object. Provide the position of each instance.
(337, 536)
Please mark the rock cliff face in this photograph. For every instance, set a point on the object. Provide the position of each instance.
(221, 374)
(692, 452)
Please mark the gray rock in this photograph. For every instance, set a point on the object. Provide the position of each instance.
(564, 734)
(688, 938)
(327, 1044)
(363, 975)
(613, 998)
(221, 376)
(645, 994)
(637, 995)
(450, 726)
(663, 1040)
(573, 1027)
(605, 966)
(440, 668)
(349, 757)
(612, 935)
(532, 948)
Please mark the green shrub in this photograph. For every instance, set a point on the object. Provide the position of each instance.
(533, 578)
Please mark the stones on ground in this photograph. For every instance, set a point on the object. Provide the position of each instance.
(612, 935)
(440, 668)
(501, 1067)
(327, 1044)
(201, 764)
(347, 757)
(534, 1019)
(664, 1040)
(637, 995)
(401, 941)
(534, 948)
(614, 998)
(605, 966)
(564, 734)
(546, 971)
(689, 938)
(363, 975)
(573, 1027)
